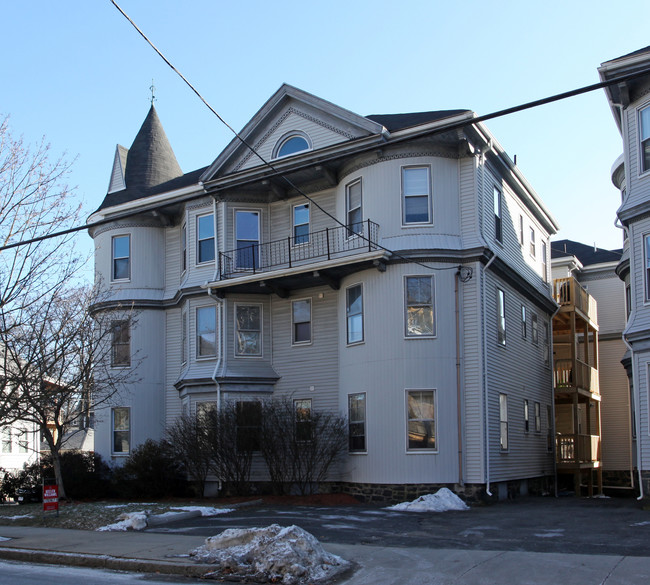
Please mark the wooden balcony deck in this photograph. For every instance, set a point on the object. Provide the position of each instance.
(570, 376)
(577, 451)
(569, 294)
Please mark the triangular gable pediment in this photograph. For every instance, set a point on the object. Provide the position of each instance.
(117, 182)
(291, 111)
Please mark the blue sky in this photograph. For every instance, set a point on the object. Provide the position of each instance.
(77, 73)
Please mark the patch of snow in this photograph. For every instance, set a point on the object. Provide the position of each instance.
(551, 533)
(641, 523)
(205, 511)
(128, 505)
(273, 554)
(126, 521)
(17, 517)
(4, 538)
(443, 500)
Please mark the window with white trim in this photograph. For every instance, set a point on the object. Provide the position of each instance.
(547, 345)
(538, 418)
(526, 417)
(23, 440)
(121, 343)
(498, 218)
(121, 430)
(248, 330)
(6, 439)
(121, 257)
(184, 247)
(354, 313)
(501, 317)
(523, 322)
(206, 331)
(532, 242)
(416, 195)
(503, 422)
(301, 321)
(544, 261)
(521, 230)
(420, 303)
(421, 421)
(353, 207)
(247, 233)
(290, 145)
(644, 137)
(205, 238)
(357, 422)
(300, 217)
(534, 331)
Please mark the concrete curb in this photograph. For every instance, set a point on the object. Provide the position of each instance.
(105, 562)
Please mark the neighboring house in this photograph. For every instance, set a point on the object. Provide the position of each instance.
(19, 445)
(402, 293)
(594, 270)
(629, 100)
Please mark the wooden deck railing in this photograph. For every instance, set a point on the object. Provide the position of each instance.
(569, 374)
(568, 292)
(577, 448)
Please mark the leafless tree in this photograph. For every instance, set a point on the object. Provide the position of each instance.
(56, 361)
(35, 201)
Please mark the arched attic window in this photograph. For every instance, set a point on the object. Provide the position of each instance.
(291, 144)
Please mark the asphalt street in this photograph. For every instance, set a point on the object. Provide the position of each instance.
(551, 525)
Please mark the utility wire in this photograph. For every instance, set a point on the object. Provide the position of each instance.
(446, 128)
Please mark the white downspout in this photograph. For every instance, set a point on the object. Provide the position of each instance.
(637, 417)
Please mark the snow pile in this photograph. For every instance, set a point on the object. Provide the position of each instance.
(204, 510)
(269, 555)
(443, 500)
(126, 521)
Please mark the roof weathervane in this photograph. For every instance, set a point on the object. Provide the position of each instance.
(152, 88)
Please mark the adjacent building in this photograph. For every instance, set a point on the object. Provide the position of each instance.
(593, 408)
(393, 268)
(629, 98)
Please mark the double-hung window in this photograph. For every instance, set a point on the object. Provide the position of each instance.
(121, 343)
(303, 419)
(521, 230)
(503, 421)
(301, 321)
(538, 417)
(420, 300)
(547, 345)
(248, 415)
(498, 217)
(121, 427)
(6, 439)
(205, 238)
(501, 317)
(247, 230)
(532, 242)
(357, 422)
(353, 209)
(421, 427)
(248, 330)
(121, 257)
(301, 224)
(184, 248)
(354, 313)
(206, 331)
(534, 331)
(523, 322)
(644, 135)
(416, 195)
(526, 417)
(183, 337)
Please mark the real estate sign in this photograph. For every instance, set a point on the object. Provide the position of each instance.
(50, 498)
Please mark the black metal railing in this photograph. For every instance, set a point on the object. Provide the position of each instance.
(291, 251)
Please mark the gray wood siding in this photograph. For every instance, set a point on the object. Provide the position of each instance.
(641, 364)
(517, 370)
(640, 316)
(172, 365)
(638, 191)
(281, 214)
(386, 365)
(609, 292)
(615, 407)
(510, 248)
(469, 211)
(316, 364)
(473, 387)
(172, 260)
(196, 274)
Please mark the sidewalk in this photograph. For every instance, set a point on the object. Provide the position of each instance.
(150, 552)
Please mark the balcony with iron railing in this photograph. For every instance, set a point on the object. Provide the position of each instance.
(575, 376)
(577, 450)
(571, 296)
(330, 244)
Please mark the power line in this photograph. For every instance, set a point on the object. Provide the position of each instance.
(446, 128)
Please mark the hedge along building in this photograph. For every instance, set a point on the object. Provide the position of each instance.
(394, 278)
